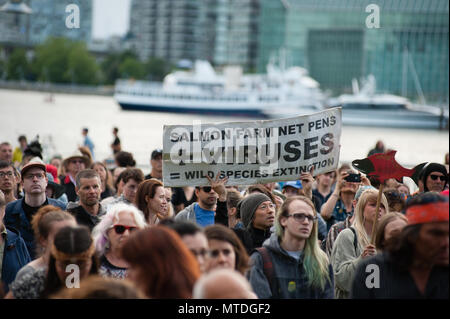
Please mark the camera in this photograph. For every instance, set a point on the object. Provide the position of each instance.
(353, 178)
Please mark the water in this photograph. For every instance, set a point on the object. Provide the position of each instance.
(59, 125)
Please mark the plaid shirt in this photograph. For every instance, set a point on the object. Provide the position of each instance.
(334, 232)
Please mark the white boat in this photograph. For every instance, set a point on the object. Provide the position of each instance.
(367, 108)
(202, 90)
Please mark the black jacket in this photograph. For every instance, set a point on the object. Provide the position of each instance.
(84, 218)
(69, 188)
(252, 237)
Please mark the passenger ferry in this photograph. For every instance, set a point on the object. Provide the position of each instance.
(204, 91)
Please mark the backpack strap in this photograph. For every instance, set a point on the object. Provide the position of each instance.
(355, 239)
(268, 269)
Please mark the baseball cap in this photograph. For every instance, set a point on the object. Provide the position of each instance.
(34, 162)
(295, 184)
(156, 153)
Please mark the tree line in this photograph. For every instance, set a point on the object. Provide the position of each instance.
(61, 60)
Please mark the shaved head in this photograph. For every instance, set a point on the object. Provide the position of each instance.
(223, 284)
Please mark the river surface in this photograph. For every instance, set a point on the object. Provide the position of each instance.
(59, 124)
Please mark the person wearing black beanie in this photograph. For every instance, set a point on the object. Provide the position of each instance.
(434, 177)
(257, 213)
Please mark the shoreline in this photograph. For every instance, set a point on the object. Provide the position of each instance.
(100, 90)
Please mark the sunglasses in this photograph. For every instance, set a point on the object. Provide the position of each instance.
(301, 217)
(435, 177)
(207, 189)
(120, 229)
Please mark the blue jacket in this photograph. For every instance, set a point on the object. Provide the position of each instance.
(15, 218)
(15, 256)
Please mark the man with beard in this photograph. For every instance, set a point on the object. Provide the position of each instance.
(211, 205)
(88, 188)
(414, 264)
(20, 212)
(340, 204)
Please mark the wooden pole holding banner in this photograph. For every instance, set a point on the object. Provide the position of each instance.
(377, 210)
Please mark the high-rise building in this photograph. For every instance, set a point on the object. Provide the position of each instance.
(236, 32)
(406, 54)
(221, 31)
(167, 29)
(48, 18)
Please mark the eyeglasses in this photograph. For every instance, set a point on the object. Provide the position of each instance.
(120, 229)
(215, 253)
(32, 176)
(79, 161)
(265, 206)
(7, 174)
(301, 217)
(207, 189)
(435, 177)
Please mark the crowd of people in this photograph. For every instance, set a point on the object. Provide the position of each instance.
(128, 236)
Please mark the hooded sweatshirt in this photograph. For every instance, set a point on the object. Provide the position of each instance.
(289, 275)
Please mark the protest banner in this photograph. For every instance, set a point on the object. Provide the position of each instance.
(251, 152)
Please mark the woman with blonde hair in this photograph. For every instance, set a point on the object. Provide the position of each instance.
(354, 243)
(300, 269)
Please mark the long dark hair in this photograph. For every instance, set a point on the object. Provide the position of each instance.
(69, 240)
(401, 251)
(147, 187)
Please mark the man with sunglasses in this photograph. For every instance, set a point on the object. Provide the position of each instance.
(20, 212)
(88, 188)
(434, 177)
(211, 205)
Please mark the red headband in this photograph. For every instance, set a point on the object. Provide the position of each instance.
(427, 213)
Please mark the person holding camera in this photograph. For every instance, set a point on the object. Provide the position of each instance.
(340, 204)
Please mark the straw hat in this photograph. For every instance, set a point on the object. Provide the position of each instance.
(77, 154)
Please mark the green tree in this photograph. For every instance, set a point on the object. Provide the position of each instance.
(110, 66)
(131, 68)
(62, 60)
(18, 67)
(157, 68)
(2, 69)
(81, 66)
(51, 61)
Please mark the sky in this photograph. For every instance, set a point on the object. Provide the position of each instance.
(110, 17)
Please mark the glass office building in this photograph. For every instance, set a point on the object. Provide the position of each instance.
(48, 18)
(338, 40)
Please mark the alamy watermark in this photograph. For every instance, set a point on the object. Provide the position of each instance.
(373, 279)
(73, 279)
(373, 19)
(73, 19)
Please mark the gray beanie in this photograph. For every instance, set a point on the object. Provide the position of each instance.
(248, 205)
